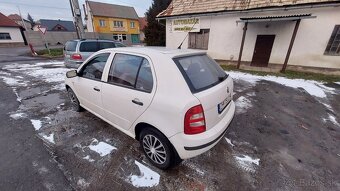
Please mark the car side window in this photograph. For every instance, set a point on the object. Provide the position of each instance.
(124, 69)
(94, 68)
(144, 80)
(89, 46)
(103, 45)
(119, 45)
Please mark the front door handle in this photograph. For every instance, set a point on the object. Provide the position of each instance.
(136, 101)
(96, 89)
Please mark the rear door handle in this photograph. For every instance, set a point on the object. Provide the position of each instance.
(96, 89)
(136, 101)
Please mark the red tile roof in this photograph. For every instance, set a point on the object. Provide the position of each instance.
(7, 22)
(142, 22)
(14, 17)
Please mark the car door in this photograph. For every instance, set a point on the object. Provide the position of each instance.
(129, 89)
(88, 85)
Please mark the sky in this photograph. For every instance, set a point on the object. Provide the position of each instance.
(60, 9)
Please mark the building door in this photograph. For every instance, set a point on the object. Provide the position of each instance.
(199, 40)
(135, 38)
(262, 50)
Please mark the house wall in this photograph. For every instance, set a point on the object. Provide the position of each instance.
(308, 50)
(15, 34)
(109, 28)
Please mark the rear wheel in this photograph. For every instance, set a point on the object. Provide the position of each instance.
(158, 149)
(74, 100)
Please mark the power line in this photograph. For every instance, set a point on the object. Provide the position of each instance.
(32, 5)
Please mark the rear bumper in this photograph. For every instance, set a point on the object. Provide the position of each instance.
(72, 64)
(189, 146)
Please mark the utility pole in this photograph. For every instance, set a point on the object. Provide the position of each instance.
(78, 22)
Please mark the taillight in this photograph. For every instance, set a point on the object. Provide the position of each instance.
(194, 120)
(76, 57)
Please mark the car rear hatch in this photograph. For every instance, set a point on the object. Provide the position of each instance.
(209, 84)
(70, 49)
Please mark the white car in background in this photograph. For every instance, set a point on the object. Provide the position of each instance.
(177, 103)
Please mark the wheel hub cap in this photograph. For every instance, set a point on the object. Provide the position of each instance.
(154, 149)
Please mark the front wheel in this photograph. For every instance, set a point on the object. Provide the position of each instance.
(158, 149)
(74, 100)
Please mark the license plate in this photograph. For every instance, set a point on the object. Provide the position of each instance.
(221, 106)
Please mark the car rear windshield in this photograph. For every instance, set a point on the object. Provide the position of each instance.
(200, 72)
(71, 46)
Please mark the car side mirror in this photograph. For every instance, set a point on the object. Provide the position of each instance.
(71, 74)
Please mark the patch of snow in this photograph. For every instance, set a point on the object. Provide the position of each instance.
(147, 177)
(18, 115)
(49, 74)
(333, 120)
(101, 148)
(229, 141)
(247, 163)
(82, 183)
(314, 88)
(328, 106)
(194, 167)
(16, 93)
(337, 83)
(59, 87)
(36, 124)
(5, 73)
(42, 170)
(242, 104)
(13, 82)
(88, 158)
(49, 138)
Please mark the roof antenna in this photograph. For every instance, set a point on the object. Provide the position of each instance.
(180, 46)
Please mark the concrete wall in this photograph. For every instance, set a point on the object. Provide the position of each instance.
(308, 50)
(52, 38)
(15, 34)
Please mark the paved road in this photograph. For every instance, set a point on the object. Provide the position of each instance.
(281, 138)
(25, 163)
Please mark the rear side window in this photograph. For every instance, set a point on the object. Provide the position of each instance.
(131, 71)
(120, 44)
(71, 46)
(200, 72)
(103, 45)
(95, 67)
(88, 47)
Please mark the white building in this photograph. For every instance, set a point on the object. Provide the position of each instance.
(259, 33)
(10, 33)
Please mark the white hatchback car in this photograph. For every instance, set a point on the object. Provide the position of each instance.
(177, 103)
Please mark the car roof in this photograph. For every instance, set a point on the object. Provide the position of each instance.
(91, 40)
(161, 51)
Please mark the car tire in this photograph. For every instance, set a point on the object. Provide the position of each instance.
(74, 100)
(158, 149)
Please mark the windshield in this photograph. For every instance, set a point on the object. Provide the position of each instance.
(200, 71)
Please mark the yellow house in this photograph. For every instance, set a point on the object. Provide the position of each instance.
(111, 21)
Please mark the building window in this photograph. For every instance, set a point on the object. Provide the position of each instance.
(132, 25)
(118, 24)
(119, 37)
(333, 46)
(102, 23)
(5, 36)
(199, 40)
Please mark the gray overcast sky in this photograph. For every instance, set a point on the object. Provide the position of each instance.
(60, 9)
